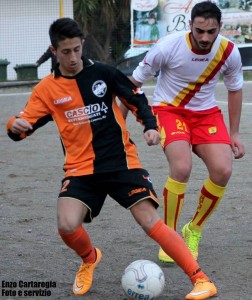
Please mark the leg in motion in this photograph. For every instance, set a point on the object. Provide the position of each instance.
(173, 197)
(178, 154)
(70, 217)
(218, 160)
(170, 241)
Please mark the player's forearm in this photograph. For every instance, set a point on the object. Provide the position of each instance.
(234, 109)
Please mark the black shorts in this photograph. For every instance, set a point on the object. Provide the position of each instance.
(126, 187)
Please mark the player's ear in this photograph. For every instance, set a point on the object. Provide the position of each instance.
(190, 24)
(53, 49)
(82, 42)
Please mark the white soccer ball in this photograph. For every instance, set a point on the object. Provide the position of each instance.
(143, 279)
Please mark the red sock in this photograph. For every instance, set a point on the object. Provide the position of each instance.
(80, 242)
(175, 247)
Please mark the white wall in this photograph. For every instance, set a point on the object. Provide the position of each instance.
(24, 26)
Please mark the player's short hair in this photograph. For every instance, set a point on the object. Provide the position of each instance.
(64, 28)
(207, 10)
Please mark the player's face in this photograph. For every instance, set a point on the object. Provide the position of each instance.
(203, 33)
(69, 52)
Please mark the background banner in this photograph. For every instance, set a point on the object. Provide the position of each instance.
(156, 18)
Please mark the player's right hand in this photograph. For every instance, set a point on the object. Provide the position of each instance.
(152, 137)
(20, 126)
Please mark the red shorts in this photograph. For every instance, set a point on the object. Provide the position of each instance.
(196, 127)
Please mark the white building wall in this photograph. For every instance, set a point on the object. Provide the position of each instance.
(24, 26)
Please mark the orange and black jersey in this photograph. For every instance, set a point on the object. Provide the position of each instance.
(91, 126)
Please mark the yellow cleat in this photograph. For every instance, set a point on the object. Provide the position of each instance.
(203, 289)
(162, 256)
(192, 239)
(84, 277)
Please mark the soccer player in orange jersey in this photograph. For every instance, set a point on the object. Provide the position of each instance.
(100, 158)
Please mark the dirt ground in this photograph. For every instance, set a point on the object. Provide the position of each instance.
(32, 252)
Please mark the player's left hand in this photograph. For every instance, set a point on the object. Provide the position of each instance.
(152, 137)
(237, 147)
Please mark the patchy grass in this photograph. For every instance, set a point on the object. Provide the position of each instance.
(247, 75)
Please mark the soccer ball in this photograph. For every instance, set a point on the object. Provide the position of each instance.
(143, 279)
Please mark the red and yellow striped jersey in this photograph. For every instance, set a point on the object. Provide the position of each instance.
(187, 78)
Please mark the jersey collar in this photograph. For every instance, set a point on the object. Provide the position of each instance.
(86, 64)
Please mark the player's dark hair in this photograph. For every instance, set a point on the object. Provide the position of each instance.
(64, 28)
(206, 10)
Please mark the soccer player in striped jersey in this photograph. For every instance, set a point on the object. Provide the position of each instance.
(190, 65)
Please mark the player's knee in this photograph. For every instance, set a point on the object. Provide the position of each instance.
(65, 225)
(147, 216)
(227, 172)
(181, 173)
(221, 176)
